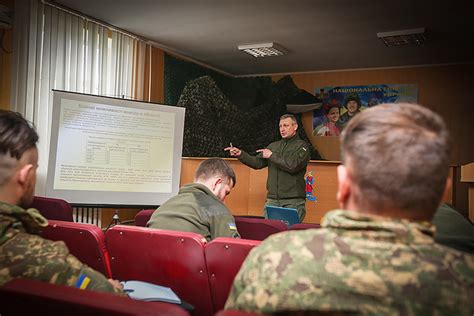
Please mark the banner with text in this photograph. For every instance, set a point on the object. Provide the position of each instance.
(340, 104)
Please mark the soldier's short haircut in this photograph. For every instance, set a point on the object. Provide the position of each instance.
(17, 135)
(291, 116)
(212, 167)
(398, 157)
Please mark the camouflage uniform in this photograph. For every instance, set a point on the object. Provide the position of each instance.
(195, 209)
(26, 255)
(357, 264)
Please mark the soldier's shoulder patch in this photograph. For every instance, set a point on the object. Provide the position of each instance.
(232, 226)
(82, 282)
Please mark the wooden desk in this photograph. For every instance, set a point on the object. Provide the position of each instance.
(249, 194)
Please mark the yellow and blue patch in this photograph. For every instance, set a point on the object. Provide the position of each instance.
(82, 282)
(232, 226)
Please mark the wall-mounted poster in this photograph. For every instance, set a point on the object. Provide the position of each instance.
(340, 104)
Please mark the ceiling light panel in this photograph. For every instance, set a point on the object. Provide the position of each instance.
(263, 49)
(403, 37)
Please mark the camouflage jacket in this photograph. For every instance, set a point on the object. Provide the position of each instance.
(23, 254)
(356, 264)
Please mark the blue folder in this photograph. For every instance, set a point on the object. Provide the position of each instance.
(287, 215)
(145, 291)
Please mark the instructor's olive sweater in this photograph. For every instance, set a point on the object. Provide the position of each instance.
(286, 167)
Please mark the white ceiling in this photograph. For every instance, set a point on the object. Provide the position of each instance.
(319, 34)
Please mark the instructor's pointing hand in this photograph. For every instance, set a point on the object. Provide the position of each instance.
(266, 153)
(233, 151)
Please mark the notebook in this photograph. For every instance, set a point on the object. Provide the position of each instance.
(287, 215)
(145, 291)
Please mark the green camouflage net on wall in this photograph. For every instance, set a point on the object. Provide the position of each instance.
(213, 121)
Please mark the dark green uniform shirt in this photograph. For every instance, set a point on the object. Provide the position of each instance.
(286, 167)
(453, 230)
(195, 209)
(26, 255)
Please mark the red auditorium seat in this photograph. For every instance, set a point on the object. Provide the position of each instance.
(224, 257)
(163, 257)
(52, 208)
(142, 217)
(258, 228)
(85, 241)
(30, 297)
(302, 226)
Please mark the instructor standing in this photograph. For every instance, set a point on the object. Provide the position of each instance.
(286, 160)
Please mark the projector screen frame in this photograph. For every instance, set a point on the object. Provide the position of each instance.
(104, 198)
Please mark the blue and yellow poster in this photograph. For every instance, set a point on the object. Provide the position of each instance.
(340, 104)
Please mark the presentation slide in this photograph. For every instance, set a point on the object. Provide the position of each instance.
(108, 151)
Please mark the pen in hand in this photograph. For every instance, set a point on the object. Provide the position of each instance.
(233, 151)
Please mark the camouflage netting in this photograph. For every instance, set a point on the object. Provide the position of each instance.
(213, 121)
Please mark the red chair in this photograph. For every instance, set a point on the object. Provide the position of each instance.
(85, 241)
(31, 297)
(302, 226)
(52, 208)
(142, 217)
(224, 257)
(258, 228)
(168, 258)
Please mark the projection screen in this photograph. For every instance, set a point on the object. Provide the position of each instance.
(108, 151)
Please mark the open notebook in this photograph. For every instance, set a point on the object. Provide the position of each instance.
(144, 291)
(289, 216)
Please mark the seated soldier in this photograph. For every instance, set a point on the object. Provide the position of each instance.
(376, 255)
(23, 254)
(199, 206)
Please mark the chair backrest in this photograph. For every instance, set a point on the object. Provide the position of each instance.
(287, 215)
(168, 258)
(52, 208)
(224, 257)
(257, 228)
(142, 217)
(302, 226)
(85, 241)
(31, 297)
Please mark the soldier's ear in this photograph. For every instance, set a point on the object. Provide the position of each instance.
(343, 186)
(215, 182)
(24, 174)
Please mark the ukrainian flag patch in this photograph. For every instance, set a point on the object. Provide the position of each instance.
(232, 226)
(82, 282)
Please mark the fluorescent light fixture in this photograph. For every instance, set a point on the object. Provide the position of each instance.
(263, 49)
(403, 37)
